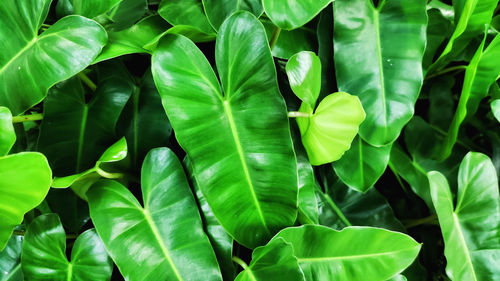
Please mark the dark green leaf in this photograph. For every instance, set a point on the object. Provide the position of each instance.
(219, 10)
(291, 42)
(290, 14)
(10, 260)
(189, 14)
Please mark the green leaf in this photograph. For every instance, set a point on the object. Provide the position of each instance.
(136, 39)
(442, 104)
(44, 253)
(471, 226)
(143, 121)
(81, 182)
(29, 63)
(219, 10)
(74, 132)
(168, 226)
(127, 13)
(24, 182)
(471, 17)
(304, 74)
(352, 254)
(328, 131)
(187, 13)
(362, 165)
(10, 260)
(247, 147)
(93, 8)
(291, 42)
(290, 14)
(7, 133)
(495, 108)
(378, 57)
(438, 30)
(274, 261)
(72, 210)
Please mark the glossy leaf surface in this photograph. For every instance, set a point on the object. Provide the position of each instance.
(290, 14)
(362, 165)
(351, 254)
(44, 253)
(328, 131)
(188, 13)
(219, 10)
(471, 226)
(241, 158)
(29, 63)
(93, 8)
(168, 227)
(378, 57)
(304, 74)
(10, 260)
(275, 261)
(24, 182)
(7, 133)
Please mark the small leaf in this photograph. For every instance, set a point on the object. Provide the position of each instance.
(495, 108)
(7, 133)
(304, 74)
(290, 14)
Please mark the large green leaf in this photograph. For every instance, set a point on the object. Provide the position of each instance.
(44, 253)
(275, 261)
(169, 226)
(378, 57)
(74, 132)
(30, 64)
(10, 260)
(219, 10)
(93, 8)
(138, 38)
(362, 165)
(24, 182)
(7, 133)
(355, 253)
(246, 167)
(187, 13)
(471, 17)
(471, 227)
(290, 14)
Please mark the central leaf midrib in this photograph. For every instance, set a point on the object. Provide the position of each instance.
(323, 259)
(159, 239)
(456, 223)
(81, 136)
(239, 148)
(376, 22)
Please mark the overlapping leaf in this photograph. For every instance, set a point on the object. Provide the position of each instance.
(290, 14)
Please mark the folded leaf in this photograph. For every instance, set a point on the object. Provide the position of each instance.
(29, 63)
(7, 134)
(24, 182)
(246, 167)
(290, 14)
(274, 261)
(44, 253)
(168, 226)
(471, 227)
(355, 253)
(378, 57)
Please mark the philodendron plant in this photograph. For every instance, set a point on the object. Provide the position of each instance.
(259, 140)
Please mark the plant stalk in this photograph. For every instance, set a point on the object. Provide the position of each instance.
(297, 114)
(27, 118)
(274, 37)
(446, 70)
(85, 79)
(432, 219)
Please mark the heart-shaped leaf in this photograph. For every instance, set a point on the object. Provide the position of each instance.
(290, 14)
(471, 227)
(44, 253)
(29, 63)
(274, 261)
(7, 133)
(168, 225)
(24, 182)
(219, 10)
(355, 253)
(248, 148)
(378, 57)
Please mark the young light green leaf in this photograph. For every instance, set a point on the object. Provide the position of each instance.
(187, 13)
(471, 227)
(44, 253)
(7, 133)
(274, 261)
(362, 165)
(304, 74)
(290, 14)
(24, 182)
(29, 63)
(328, 131)
(219, 10)
(247, 147)
(352, 254)
(10, 260)
(168, 226)
(378, 57)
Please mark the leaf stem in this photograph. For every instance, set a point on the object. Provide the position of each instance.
(240, 262)
(432, 219)
(107, 175)
(460, 142)
(398, 178)
(27, 118)
(446, 70)
(85, 79)
(297, 114)
(274, 37)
